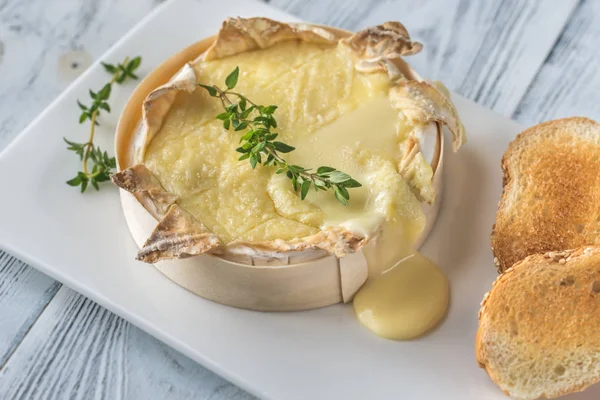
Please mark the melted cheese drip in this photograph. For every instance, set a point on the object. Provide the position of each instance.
(331, 113)
(394, 243)
(404, 302)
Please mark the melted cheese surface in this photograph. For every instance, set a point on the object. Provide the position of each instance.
(404, 302)
(331, 113)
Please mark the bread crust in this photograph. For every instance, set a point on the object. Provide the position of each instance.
(553, 300)
(551, 187)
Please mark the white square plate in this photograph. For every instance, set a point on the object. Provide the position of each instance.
(82, 241)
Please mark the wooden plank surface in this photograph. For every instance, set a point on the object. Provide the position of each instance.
(44, 45)
(79, 350)
(568, 84)
(24, 293)
(490, 51)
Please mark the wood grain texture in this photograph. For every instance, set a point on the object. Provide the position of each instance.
(76, 349)
(46, 44)
(24, 293)
(488, 51)
(568, 84)
(79, 350)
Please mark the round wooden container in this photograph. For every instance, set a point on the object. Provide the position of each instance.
(294, 281)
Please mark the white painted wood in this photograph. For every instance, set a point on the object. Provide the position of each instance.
(488, 51)
(44, 45)
(79, 350)
(24, 293)
(569, 83)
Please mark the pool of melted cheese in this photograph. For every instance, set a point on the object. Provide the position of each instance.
(331, 113)
(406, 301)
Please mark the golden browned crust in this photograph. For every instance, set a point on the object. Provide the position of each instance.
(140, 181)
(543, 312)
(551, 191)
(336, 241)
(238, 35)
(379, 47)
(157, 105)
(376, 47)
(423, 102)
(178, 235)
(180, 239)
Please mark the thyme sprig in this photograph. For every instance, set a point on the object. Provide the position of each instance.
(102, 164)
(258, 144)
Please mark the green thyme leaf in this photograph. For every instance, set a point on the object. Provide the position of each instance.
(111, 69)
(351, 183)
(97, 164)
(324, 170)
(211, 90)
(304, 189)
(338, 177)
(319, 183)
(103, 177)
(258, 145)
(247, 112)
(232, 78)
(104, 93)
(247, 136)
(269, 110)
(340, 196)
(132, 66)
(282, 147)
(75, 181)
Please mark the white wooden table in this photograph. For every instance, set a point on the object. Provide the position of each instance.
(531, 60)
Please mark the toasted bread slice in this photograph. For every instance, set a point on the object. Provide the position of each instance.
(539, 326)
(551, 198)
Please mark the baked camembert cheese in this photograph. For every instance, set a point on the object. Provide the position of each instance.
(342, 102)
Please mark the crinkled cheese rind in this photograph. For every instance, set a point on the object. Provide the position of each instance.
(239, 35)
(423, 102)
(378, 47)
(178, 235)
(157, 105)
(373, 48)
(141, 182)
